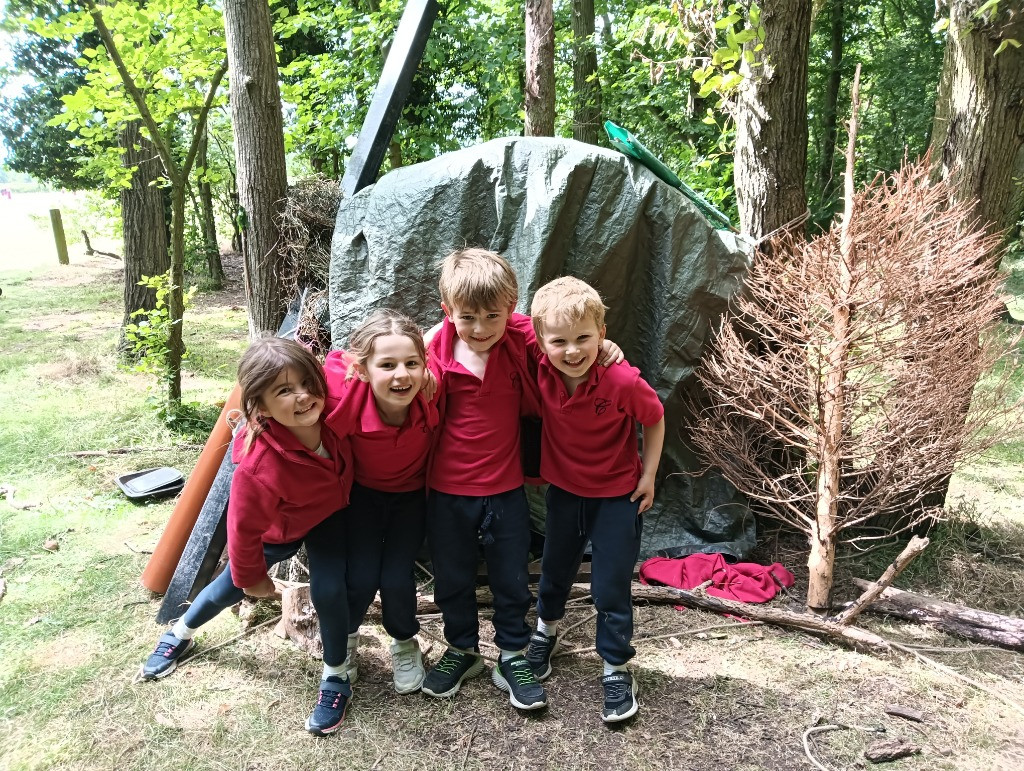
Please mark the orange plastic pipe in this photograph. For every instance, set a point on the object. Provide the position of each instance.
(157, 575)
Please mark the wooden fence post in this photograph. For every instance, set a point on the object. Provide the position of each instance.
(58, 237)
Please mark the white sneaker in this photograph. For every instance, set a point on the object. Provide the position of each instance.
(407, 663)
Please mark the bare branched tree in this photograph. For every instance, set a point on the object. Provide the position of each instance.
(851, 358)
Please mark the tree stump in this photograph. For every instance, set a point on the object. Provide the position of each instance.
(299, 622)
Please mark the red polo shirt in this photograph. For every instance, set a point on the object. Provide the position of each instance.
(279, 492)
(391, 459)
(477, 449)
(588, 440)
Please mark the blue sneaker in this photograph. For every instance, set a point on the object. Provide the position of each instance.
(331, 703)
(515, 676)
(164, 659)
(619, 697)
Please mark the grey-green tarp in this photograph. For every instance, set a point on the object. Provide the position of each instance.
(556, 207)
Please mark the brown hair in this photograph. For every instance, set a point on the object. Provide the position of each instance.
(380, 323)
(259, 367)
(477, 279)
(569, 299)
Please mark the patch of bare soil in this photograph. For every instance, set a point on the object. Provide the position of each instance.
(232, 295)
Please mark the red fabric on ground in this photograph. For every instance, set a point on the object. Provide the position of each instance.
(744, 581)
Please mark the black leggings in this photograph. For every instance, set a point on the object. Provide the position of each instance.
(325, 547)
(385, 533)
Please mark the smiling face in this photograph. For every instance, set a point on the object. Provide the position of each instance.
(572, 347)
(480, 328)
(396, 372)
(288, 401)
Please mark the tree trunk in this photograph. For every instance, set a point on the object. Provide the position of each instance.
(978, 130)
(259, 152)
(771, 122)
(143, 224)
(586, 88)
(539, 88)
(968, 623)
(209, 222)
(826, 180)
(176, 297)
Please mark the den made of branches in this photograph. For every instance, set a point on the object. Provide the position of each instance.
(842, 384)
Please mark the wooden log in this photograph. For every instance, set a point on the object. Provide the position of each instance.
(889, 750)
(852, 636)
(915, 547)
(968, 623)
(299, 622)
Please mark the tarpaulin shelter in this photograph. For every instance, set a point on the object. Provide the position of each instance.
(556, 207)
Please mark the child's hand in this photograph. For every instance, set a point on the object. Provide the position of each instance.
(265, 588)
(610, 354)
(429, 385)
(645, 492)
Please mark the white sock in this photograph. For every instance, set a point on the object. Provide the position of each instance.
(610, 668)
(182, 631)
(339, 671)
(506, 655)
(548, 628)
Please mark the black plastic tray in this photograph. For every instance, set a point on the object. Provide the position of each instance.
(151, 483)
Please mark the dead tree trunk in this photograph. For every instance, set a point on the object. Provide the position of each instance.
(968, 623)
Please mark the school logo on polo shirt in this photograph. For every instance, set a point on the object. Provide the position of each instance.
(600, 405)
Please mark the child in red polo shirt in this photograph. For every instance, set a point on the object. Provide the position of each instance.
(382, 409)
(486, 354)
(289, 488)
(600, 485)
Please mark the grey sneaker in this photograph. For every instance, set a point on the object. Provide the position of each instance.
(515, 676)
(407, 665)
(539, 653)
(164, 659)
(619, 697)
(448, 674)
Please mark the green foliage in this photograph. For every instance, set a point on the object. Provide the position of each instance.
(148, 337)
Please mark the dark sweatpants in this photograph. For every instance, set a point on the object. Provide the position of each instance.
(613, 528)
(385, 533)
(325, 547)
(457, 526)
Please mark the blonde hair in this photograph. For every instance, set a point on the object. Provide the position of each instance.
(379, 324)
(259, 367)
(566, 299)
(477, 279)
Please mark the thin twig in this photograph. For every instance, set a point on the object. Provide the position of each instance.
(568, 651)
(951, 649)
(124, 451)
(814, 729)
(469, 744)
(950, 671)
(237, 637)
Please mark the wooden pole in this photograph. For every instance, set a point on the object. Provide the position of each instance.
(58, 236)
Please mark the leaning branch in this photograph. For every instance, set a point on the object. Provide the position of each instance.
(915, 547)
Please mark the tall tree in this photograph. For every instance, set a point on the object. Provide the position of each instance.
(978, 131)
(259, 153)
(586, 87)
(827, 183)
(143, 222)
(539, 91)
(771, 120)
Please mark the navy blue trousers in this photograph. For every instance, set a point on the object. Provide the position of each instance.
(613, 528)
(325, 548)
(457, 527)
(385, 533)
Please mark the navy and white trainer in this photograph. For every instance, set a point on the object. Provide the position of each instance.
(619, 697)
(164, 658)
(539, 653)
(331, 704)
(515, 676)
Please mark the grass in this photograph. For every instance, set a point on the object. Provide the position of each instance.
(75, 623)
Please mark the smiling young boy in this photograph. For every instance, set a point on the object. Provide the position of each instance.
(600, 485)
(487, 355)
